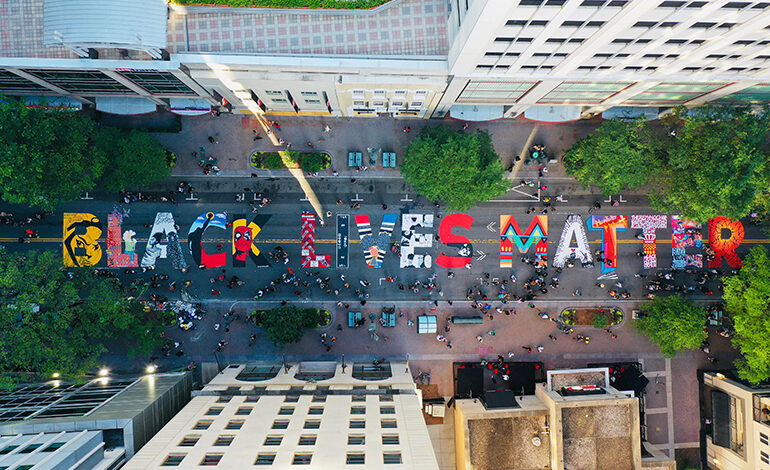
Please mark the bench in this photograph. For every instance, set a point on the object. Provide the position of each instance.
(389, 159)
(353, 318)
(467, 320)
(355, 159)
(389, 319)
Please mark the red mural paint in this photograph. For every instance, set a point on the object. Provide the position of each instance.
(195, 239)
(464, 246)
(116, 258)
(725, 247)
(609, 225)
(309, 258)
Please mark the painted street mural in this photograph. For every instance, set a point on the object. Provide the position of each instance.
(375, 249)
(195, 239)
(243, 241)
(724, 246)
(81, 239)
(309, 258)
(609, 226)
(164, 226)
(573, 227)
(117, 257)
(462, 244)
(649, 224)
(411, 240)
(82, 245)
(685, 234)
(511, 235)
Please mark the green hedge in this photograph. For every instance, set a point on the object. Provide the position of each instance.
(311, 4)
(307, 161)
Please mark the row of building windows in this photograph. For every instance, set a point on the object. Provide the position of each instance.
(267, 458)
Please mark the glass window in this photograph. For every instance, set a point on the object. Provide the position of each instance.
(211, 459)
(235, 424)
(54, 446)
(390, 439)
(312, 424)
(203, 424)
(302, 459)
(355, 458)
(280, 424)
(244, 410)
(173, 460)
(251, 399)
(265, 459)
(307, 440)
(391, 457)
(387, 410)
(224, 440)
(388, 423)
(356, 439)
(214, 411)
(189, 440)
(273, 440)
(357, 424)
(309, 93)
(315, 410)
(357, 410)
(224, 399)
(358, 398)
(319, 398)
(386, 397)
(286, 410)
(274, 92)
(291, 398)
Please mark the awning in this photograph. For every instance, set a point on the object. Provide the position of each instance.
(125, 106)
(189, 106)
(476, 113)
(54, 102)
(630, 112)
(720, 417)
(552, 113)
(426, 324)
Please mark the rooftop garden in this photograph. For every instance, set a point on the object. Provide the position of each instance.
(309, 4)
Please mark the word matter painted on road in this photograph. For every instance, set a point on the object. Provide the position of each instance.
(82, 246)
(375, 249)
(511, 235)
(309, 258)
(343, 234)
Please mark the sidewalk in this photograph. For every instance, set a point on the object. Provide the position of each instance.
(236, 143)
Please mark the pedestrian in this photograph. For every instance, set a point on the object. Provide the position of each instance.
(527, 348)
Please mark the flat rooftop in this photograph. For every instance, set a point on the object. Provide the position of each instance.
(507, 443)
(409, 28)
(598, 437)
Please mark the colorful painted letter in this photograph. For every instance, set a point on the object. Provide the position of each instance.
(375, 249)
(410, 240)
(573, 226)
(463, 245)
(684, 234)
(309, 258)
(116, 258)
(195, 239)
(511, 235)
(648, 224)
(164, 225)
(725, 246)
(609, 225)
(81, 239)
(244, 235)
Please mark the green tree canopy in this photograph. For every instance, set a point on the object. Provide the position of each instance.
(747, 298)
(715, 164)
(135, 158)
(51, 322)
(458, 168)
(611, 158)
(673, 323)
(48, 156)
(286, 324)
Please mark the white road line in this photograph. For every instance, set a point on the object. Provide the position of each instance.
(357, 199)
(406, 198)
(670, 406)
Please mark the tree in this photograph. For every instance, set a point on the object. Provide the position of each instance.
(715, 165)
(673, 323)
(283, 325)
(611, 157)
(46, 156)
(747, 299)
(458, 168)
(54, 322)
(135, 158)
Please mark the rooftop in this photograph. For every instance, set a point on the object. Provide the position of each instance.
(598, 437)
(508, 443)
(408, 28)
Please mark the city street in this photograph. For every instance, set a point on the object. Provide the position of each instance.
(280, 224)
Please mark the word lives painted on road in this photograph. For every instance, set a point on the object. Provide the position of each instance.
(511, 235)
(309, 258)
(649, 224)
(82, 246)
(375, 248)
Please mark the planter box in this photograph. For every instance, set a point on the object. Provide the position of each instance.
(585, 316)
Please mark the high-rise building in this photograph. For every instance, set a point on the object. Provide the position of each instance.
(738, 423)
(552, 60)
(96, 425)
(321, 414)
